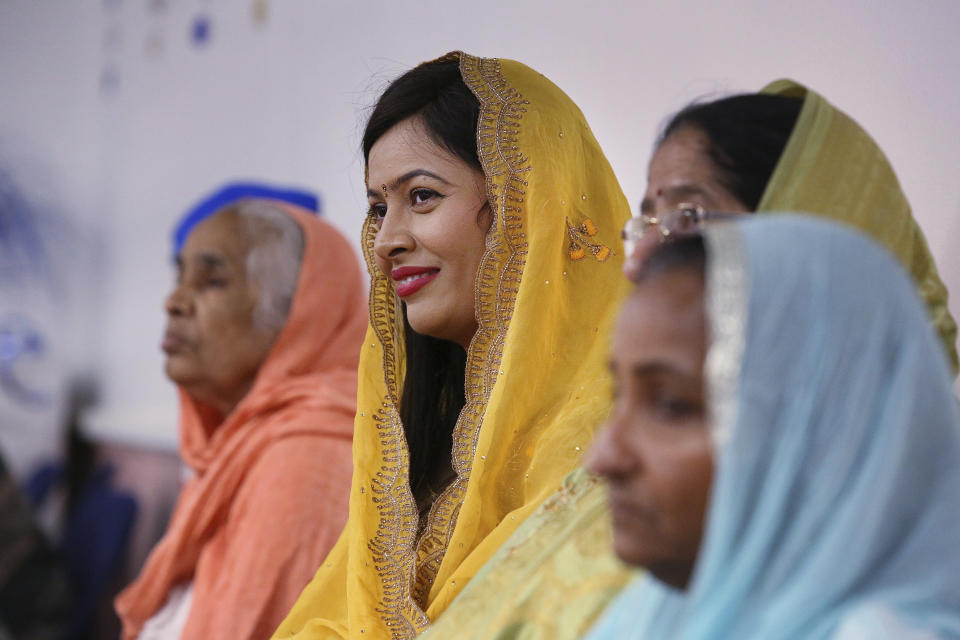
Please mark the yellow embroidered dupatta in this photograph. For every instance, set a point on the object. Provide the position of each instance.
(831, 167)
(537, 388)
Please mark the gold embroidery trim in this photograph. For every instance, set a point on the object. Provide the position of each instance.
(392, 546)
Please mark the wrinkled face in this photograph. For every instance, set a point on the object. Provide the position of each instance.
(213, 347)
(433, 215)
(681, 172)
(655, 450)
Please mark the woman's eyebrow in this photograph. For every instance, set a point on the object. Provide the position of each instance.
(659, 369)
(210, 260)
(410, 175)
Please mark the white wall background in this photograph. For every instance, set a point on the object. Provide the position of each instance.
(111, 111)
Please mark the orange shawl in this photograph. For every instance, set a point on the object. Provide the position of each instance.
(271, 485)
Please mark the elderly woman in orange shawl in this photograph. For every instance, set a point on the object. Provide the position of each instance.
(263, 338)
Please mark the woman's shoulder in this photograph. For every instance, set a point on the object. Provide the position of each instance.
(298, 472)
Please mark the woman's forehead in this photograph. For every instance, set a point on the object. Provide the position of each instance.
(219, 238)
(405, 147)
(683, 158)
(664, 318)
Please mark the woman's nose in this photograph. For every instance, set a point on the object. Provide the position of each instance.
(393, 237)
(641, 251)
(178, 303)
(607, 455)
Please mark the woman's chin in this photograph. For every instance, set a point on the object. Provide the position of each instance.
(629, 551)
(441, 329)
(179, 369)
(426, 326)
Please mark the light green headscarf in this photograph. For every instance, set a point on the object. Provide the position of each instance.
(832, 168)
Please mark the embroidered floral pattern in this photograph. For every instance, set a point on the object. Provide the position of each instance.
(580, 241)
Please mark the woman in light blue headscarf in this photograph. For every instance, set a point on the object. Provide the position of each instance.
(829, 440)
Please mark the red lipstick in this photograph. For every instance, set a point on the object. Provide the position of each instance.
(411, 279)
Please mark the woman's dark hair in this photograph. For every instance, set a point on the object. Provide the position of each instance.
(683, 252)
(433, 388)
(747, 134)
(436, 93)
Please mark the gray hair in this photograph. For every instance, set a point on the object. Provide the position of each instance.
(273, 262)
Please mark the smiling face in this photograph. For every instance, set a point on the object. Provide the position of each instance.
(433, 219)
(682, 172)
(214, 348)
(655, 450)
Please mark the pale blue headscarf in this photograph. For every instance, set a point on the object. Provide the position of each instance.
(835, 507)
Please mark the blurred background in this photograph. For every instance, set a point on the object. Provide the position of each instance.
(116, 116)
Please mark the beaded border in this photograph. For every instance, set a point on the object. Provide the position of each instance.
(392, 546)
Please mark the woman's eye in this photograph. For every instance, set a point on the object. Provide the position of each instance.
(686, 222)
(377, 211)
(213, 283)
(420, 196)
(674, 408)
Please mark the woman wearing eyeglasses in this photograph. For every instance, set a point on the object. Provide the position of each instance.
(783, 149)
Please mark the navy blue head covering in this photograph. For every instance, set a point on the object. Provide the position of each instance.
(231, 192)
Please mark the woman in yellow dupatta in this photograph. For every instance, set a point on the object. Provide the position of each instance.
(557, 572)
(535, 383)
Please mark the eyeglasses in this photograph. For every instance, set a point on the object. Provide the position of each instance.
(685, 219)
